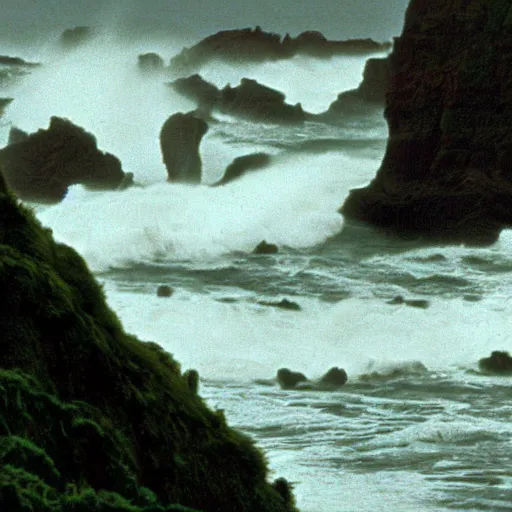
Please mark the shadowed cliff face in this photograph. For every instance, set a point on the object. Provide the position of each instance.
(91, 418)
(447, 171)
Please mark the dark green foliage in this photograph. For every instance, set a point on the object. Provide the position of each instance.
(91, 418)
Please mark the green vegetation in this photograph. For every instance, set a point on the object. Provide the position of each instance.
(91, 418)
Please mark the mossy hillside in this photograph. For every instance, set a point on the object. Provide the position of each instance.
(127, 419)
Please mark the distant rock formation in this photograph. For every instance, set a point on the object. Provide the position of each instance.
(498, 363)
(447, 169)
(249, 100)
(180, 138)
(151, 62)
(73, 37)
(332, 380)
(13, 69)
(368, 97)
(243, 164)
(41, 166)
(255, 45)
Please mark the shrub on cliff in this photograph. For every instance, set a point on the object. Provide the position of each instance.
(91, 418)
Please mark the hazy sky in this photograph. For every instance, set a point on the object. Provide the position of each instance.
(337, 19)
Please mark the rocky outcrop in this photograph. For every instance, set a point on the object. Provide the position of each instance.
(367, 98)
(42, 166)
(91, 418)
(250, 100)
(498, 363)
(180, 138)
(255, 45)
(13, 69)
(447, 169)
(332, 380)
(265, 248)
(16, 135)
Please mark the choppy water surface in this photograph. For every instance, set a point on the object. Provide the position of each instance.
(416, 428)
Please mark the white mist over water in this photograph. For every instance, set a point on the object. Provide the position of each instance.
(293, 203)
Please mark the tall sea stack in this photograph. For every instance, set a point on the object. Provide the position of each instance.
(447, 170)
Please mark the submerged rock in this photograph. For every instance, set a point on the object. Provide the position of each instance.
(413, 303)
(282, 304)
(498, 363)
(265, 248)
(164, 291)
(446, 173)
(43, 165)
(93, 418)
(180, 138)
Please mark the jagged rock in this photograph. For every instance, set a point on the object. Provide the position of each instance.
(180, 138)
(334, 378)
(47, 162)
(261, 103)
(247, 45)
(197, 89)
(16, 135)
(249, 99)
(499, 363)
(151, 62)
(90, 416)
(73, 37)
(447, 169)
(282, 304)
(265, 248)
(164, 291)
(368, 97)
(288, 379)
(242, 165)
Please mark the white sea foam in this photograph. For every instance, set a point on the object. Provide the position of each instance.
(293, 203)
(245, 341)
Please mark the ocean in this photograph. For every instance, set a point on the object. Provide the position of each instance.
(416, 427)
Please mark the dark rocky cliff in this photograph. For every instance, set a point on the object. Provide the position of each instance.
(447, 171)
(91, 418)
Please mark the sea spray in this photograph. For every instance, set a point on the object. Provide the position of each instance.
(293, 203)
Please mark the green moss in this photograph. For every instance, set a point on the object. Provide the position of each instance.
(91, 417)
